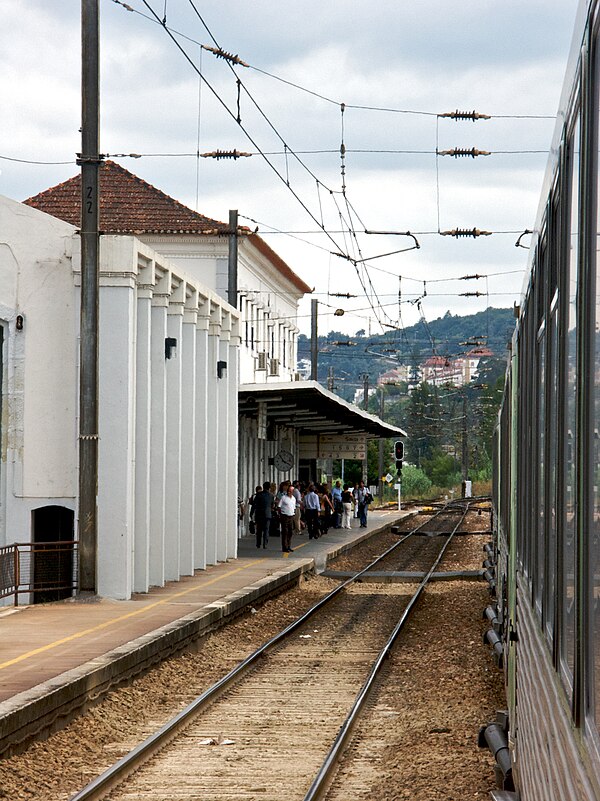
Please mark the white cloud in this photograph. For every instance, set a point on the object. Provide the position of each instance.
(431, 56)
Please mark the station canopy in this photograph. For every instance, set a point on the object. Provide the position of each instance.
(312, 409)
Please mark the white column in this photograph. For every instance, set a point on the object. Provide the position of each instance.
(116, 429)
(188, 435)
(225, 481)
(201, 488)
(158, 403)
(141, 572)
(233, 442)
(213, 445)
(173, 451)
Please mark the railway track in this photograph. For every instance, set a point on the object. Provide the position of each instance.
(275, 726)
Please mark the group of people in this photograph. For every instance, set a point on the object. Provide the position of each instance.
(294, 508)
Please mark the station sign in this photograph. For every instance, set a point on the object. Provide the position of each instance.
(333, 446)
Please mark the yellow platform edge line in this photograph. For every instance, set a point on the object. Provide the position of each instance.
(77, 635)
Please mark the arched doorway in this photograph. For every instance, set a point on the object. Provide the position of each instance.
(53, 567)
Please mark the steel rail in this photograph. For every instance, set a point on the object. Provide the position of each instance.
(324, 777)
(100, 786)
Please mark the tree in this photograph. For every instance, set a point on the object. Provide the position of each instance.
(424, 422)
(414, 481)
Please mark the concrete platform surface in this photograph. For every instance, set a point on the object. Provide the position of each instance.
(52, 654)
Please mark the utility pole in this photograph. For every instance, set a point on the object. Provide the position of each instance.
(381, 444)
(465, 441)
(365, 467)
(314, 344)
(232, 265)
(89, 159)
(365, 378)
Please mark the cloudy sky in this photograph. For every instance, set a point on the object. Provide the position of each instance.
(394, 65)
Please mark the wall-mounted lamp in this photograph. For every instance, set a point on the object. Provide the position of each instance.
(221, 367)
(19, 322)
(170, 347)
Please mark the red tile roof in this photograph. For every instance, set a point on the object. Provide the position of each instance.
(129, 205)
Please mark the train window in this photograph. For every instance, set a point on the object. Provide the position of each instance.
(594, 546)
(568, 610)
(551, 469)
(540, 418)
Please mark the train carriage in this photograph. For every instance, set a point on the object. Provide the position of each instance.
(547, 465)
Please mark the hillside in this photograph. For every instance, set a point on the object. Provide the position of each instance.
(450, 335)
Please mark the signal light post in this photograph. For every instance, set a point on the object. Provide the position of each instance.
(399, 456)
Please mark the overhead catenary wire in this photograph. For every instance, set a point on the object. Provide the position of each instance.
(458, 115)
(370, 292)
(312, 92)
(241, 125)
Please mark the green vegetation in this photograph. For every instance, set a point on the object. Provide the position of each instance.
(446, 425)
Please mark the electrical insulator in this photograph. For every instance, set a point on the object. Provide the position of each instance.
(457, 152)
(219, 53)
(465, 115)
(463, 232)
(225, 154)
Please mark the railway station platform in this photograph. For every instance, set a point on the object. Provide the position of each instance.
(55, 656)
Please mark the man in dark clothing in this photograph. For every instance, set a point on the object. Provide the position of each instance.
(261, 511)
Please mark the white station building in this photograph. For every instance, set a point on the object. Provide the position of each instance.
(157, 414)
(199, 401)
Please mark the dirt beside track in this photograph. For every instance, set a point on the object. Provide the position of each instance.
(419, 738)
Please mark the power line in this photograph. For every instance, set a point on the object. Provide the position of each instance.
(243, 128)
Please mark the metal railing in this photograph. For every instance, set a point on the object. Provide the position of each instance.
(47, 571)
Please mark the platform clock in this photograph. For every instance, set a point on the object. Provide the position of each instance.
(283, 461)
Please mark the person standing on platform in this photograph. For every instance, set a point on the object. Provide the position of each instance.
(287, 511)
(326, 511)
(361, 496)
(336, 496)
(298, 497)
(355, 496)
(347, 507)
(262, 511)
(312, 506)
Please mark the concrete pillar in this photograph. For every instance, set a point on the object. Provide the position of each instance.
(213, 445)
(225, 483)
(233, 442)
(173, 426)
(117, 432)
(188, 434)
(158, 430)
(141, 570)
(201, 488)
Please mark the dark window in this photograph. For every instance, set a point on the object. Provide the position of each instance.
(568, 599)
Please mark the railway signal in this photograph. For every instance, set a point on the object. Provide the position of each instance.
(399, 454)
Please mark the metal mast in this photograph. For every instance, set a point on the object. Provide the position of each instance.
(89, 159)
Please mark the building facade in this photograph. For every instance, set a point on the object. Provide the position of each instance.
(168, 353)
(267, 294)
